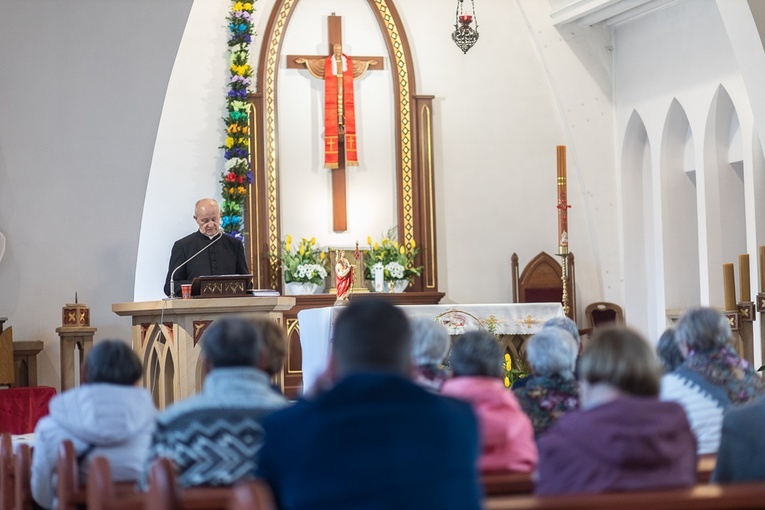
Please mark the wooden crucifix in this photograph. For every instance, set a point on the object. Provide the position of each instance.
(339, 128)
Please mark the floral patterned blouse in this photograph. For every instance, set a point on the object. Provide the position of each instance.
(545, 399)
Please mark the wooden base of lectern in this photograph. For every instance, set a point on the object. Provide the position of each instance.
(166, 337)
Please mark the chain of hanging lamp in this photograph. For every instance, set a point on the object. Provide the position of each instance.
(464, 35)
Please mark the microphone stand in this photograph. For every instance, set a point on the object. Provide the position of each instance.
(172, 275)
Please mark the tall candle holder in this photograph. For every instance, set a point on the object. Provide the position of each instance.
(563, 208)
(564, 280)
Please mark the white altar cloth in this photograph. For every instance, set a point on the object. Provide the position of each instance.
(508, 319)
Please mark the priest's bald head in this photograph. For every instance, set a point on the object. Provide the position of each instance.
(207, 216)
(371, 336)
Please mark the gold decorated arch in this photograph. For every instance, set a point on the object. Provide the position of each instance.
(415, 169)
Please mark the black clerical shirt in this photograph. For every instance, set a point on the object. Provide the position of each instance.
(226, 256)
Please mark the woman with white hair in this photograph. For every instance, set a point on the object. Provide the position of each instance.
(713, 377)
(430, 345)
(552, 391)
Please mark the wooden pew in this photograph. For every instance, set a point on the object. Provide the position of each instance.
(104, 494)
(254, 495)
(69, 491)
(705, 466)
(505, 482)
(23, 478)
(163, 493)
(497, 483)
(6, 472)
(700, 497)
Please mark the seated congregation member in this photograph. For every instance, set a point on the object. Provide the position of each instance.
(507, 436)
(565, 324)
(712, 378)
(552, 391)
(623, 437)
(105, 416)
(668, 351)
(374, 439)
(430, 345)
(741, 457)
(212, 438)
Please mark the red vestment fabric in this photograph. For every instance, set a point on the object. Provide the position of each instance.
(331, 121)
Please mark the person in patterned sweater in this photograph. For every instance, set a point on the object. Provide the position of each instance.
(553, 390)
(212, 438)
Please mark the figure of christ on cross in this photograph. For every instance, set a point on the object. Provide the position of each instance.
(338, 72)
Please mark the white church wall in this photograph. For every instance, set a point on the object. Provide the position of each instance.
(725, 220)
(81, 88)
(680, 229)
(683, 53)
(637, 226)
(187, 162)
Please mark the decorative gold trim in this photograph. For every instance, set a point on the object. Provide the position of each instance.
(293, 327)
(254, 192)
(428, 167)
(399, 56)
(269, 105)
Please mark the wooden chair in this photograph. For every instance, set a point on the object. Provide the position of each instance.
(69, 491)
(23, 478)
(253, 495)
(540, 281)
(6, 472)
(603, 312)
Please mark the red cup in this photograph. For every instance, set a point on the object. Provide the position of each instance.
(186, 291)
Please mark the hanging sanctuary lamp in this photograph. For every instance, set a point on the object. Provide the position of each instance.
(464, 35)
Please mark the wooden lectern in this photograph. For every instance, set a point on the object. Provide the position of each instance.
(166, 337)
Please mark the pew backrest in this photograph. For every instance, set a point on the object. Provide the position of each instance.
(164, 493)
(104, 494)
(748, 496)
(69, 491)
(252, 495)
(505, 482)
(6, 472)
(23, 478)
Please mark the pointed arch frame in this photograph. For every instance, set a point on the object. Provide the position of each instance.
(414, 151)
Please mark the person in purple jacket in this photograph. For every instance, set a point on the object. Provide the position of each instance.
(623, 438)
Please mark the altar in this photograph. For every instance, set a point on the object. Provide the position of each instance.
(513, 322)
(166, 337)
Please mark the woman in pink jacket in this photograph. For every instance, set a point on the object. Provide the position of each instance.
(507, 436)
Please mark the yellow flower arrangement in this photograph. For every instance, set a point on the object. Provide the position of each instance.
(304, 262)
(396, 260)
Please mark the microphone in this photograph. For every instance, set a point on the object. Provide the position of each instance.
(172, 275)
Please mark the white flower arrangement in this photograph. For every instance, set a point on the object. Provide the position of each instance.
(307, 272)
(395, 270)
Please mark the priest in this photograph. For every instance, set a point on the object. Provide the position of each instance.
(208, 251)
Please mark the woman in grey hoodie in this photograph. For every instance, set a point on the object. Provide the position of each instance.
(106, 416)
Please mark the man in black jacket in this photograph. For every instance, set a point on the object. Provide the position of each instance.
(224, 256)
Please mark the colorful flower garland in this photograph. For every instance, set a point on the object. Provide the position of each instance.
(237, 174)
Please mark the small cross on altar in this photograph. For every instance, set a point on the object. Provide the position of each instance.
(316, 66)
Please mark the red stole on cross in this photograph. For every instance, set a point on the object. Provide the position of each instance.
(331, 121)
